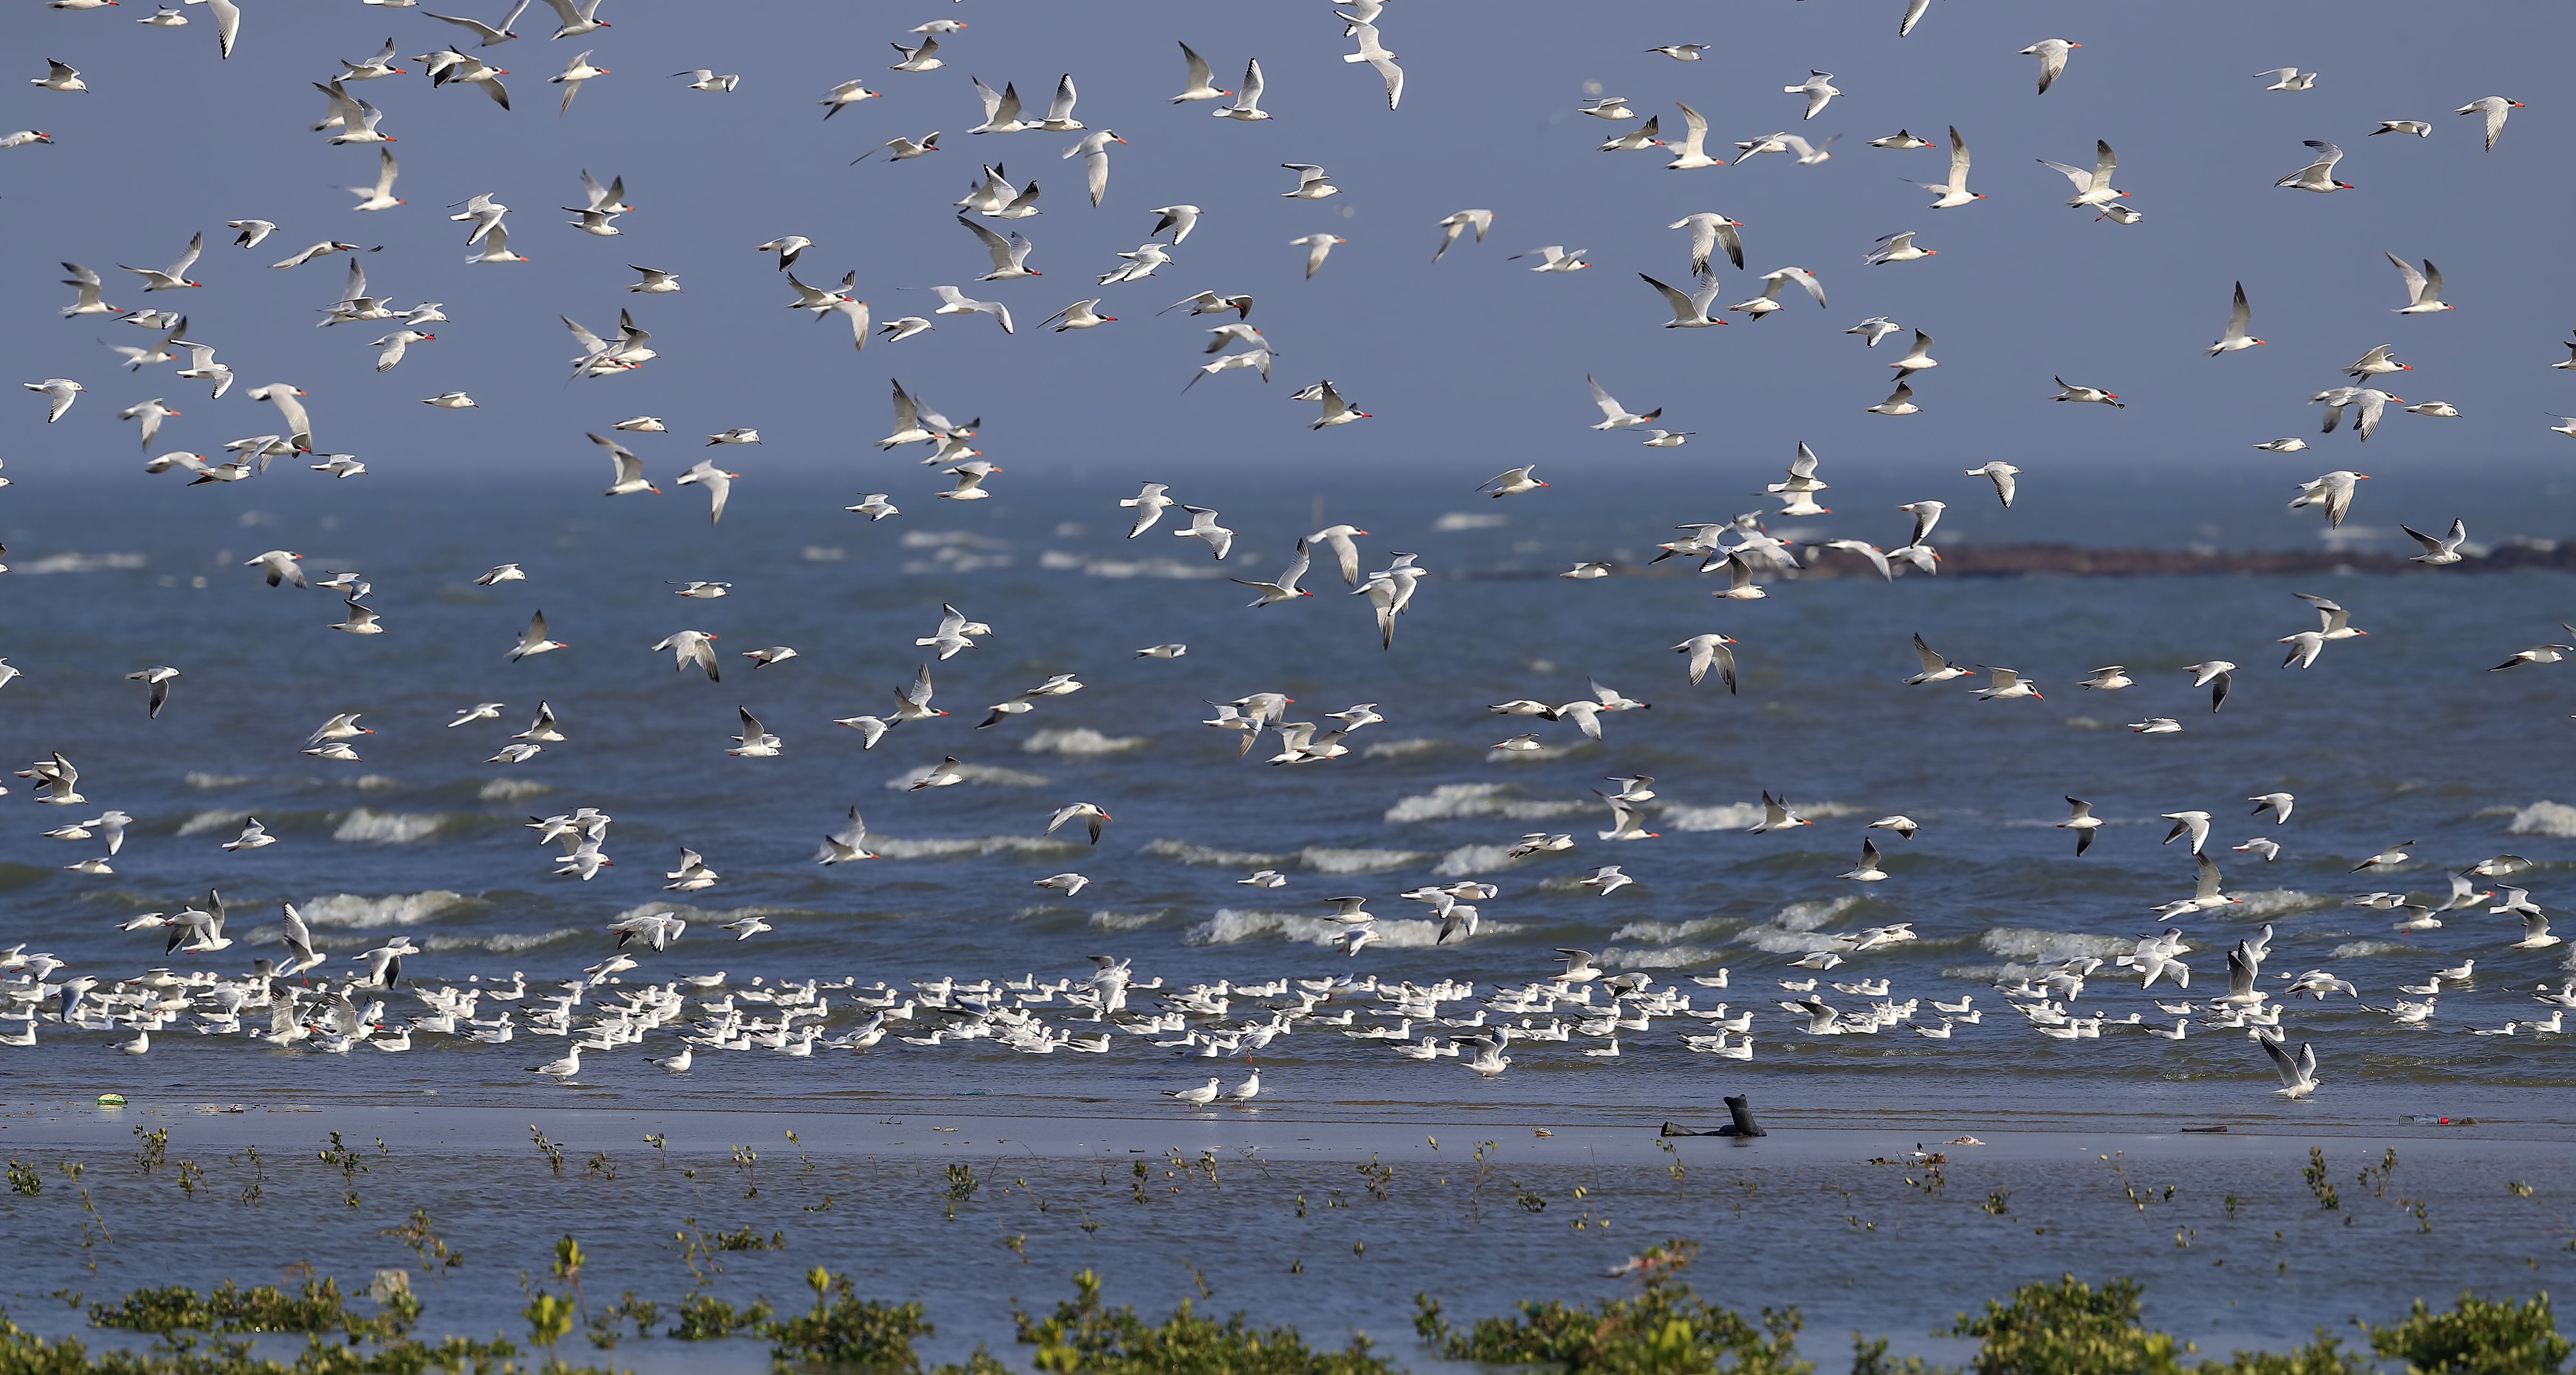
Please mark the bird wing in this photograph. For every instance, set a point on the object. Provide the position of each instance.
(1958, 160)
(2414, 279)
(2241, 315)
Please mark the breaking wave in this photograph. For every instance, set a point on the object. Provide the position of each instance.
(196, 779)
(506, 942)
(2545, 819)
(1126, 921)
(889, 848)
(1233, 926)
(393, 909)
(1473, 859)
(1402, 749)
(1673, 932)
(505, 789)
(1081, 740)
(1324, 861)
(1740, 816)
(82, 563)
(1661, 957)
(1187, 853)
(369, 827)
(1450, 801)
(972, 773)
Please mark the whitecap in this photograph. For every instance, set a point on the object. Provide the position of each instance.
(1450, 801)
(389, 828)
(1328, 861)
(1663, 957)
(972, 773)
(81, 563)
(2545, 819)
(392, 909)
(1156, 567)
(1082, 740)
(217, 780)
(1187, 853)
(1474, 859)
(204, 822)
(1540, 755)
(1402, 749)
(1455, 521)
(1232, 926)
(505, 942)
(504, 789)
(1741, 816)
(1673, 932)
(1126, 921)
(2024, 945)
(940, 539)
(2354, 950)
(890, 848)
(2267, 903)
(1807, 916)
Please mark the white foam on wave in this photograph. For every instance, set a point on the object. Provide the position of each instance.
(1673, 932)
(706, 916)
(505, 789)
(82, 563)
(2545, 819)
(197, 779)
(1126, 921)
(204, 822)
(1661, 957)
(369, 827)
(1402, 749)
(951, 848)
(1474, 859)
(1234, 926)
(1082, 740)
(1331, 861)
(374, 782)
(2266, 903)
(2023, 945)
(1455, 521)
(392, 909)
(1537, 756)
(1739, 816)
(1807, 916)
(941, 539)
(506, 942)
(973, 773)
(2355, 950)
(1155, 567)
(1187, 853)
(1450, 801)
(1792, 930)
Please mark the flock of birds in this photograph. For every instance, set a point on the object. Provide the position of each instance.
(305, 1002)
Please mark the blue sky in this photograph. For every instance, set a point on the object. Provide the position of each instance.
(1469, 367)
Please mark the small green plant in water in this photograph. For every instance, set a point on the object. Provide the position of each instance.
(1085, 1336)
(2477, 1337)
(1663, 1329)
(546, 1147)
(150, 1149)
(23, 1179)
(704, 1317)
(846, 1333)
(2069, 1328)
(2319, 1183)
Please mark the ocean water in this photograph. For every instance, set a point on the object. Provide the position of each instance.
(2399, 736)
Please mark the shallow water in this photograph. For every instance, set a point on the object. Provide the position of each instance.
(2389, 737)
(2232, 1245)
